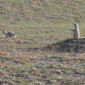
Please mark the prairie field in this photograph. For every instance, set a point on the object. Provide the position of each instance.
(44, 51)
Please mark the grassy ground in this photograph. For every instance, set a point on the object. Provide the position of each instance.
(38, 24)
(42, 11)
(22, 64)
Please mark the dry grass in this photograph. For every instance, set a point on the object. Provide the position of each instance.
(23, 62)
(42, 68)
(39, 24)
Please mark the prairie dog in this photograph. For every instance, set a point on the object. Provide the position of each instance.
(76, 33)
(9, 34)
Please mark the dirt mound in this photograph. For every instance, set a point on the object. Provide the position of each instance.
(69, 45)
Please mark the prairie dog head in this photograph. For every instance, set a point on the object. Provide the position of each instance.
(4, 31)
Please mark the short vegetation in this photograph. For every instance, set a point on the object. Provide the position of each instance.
(43, 51)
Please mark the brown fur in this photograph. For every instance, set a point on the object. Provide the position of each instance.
(76, 33)
(9, 34)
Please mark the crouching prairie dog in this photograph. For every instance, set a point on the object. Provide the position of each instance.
(9, 34)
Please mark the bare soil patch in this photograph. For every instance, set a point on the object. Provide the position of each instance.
(69, 45)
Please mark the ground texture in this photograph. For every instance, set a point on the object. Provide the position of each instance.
(69, 45)
(43, 53)
(62, 63)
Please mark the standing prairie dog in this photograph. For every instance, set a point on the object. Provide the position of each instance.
(76, 33)
(9, 34)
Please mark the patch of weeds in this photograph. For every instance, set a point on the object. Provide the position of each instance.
(68, 68)
(39, 83)
(30, 80)
(59, 78)
(40, 66)
(34, 57)
(79, 72)
(30, 71)
(53, 81)
(21, 73)
(1, 68)
(71, 82)
(22, 83)
(51, 66)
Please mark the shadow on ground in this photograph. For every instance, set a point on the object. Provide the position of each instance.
(69, 45)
